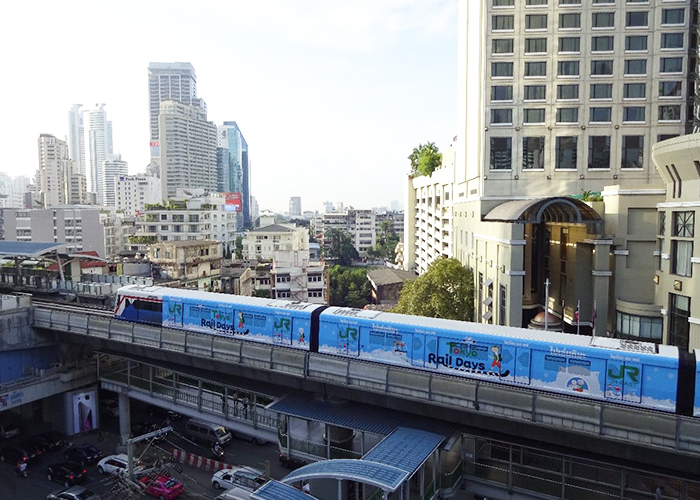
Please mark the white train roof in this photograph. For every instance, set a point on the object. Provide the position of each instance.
(430, 325)
(219, 298)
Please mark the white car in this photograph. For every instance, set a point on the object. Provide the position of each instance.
(246, 478)
(116, 464)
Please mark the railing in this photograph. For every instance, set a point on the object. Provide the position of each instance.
(589, 417)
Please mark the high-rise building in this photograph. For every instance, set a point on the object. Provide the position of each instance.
(76, 137)
(134, 192)
(112, 168)
(20, 185)
(233, 166)
(359, 224)
(295, 206)
(169, 82)
(98, 146)
(6, 190)
(188, 154)
(54, 170)
(558, 101)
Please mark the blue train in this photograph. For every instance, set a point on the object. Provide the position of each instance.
(641, 374)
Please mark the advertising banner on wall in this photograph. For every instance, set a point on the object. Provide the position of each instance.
(84, 412)
(233, 202)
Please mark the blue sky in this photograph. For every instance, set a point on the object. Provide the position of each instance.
(331, 96)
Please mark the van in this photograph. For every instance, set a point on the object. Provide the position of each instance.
(8, 431)
(234, 494)
(206, 432)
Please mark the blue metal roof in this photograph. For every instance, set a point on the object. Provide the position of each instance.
(273, 490)
(405, 449)
(357, 416)
(26, 248)
(382, 476)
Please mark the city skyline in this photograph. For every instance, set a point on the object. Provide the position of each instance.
(359, 86)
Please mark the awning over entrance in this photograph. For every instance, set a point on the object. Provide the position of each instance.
(538, 210)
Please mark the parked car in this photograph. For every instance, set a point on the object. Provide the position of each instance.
(162, 486)
(116, 464)
(33, 449)
(17, 454)
(73, 493)
(50, 441)
(242, 477)
(68, 473)
(85, 454)
(9, 430)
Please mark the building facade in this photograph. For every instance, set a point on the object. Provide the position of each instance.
(197, 264)
(263, 243)
(76, 137)
(359, 224)
(112, 169)
(188, 148)
(295, 206)
(98, 146)
(552, 191)
(233, 168)
(54, 170)
(133, 192)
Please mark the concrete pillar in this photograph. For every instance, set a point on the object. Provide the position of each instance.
(124, 418)
(601, 284)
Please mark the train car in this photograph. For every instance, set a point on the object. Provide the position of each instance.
(281, 322)
(629, 372)
(696, 401)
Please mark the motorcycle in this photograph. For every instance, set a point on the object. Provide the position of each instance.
(218, 452)
(21, 470)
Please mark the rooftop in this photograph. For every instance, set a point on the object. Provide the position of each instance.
(389, 276)
(274, 228)
(27, 248)
(186, 243)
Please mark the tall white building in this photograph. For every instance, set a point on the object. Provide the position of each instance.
(54, 170)
(76, 137)
(133, 192)
(6, 190)
(295, 206)
(188, 152)
(359, 224)
(98, 146)
(169, 82)
(112, 168)
(20, 186)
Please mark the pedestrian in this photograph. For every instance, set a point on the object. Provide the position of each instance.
(245, 407)
(659, 493)
(235, 403)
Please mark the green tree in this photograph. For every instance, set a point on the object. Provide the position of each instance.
(425, 159)
(239, 247)
(340, 247)
(349, 287)
(446, 290)
(264, 294)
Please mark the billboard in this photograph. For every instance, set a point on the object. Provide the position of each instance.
(84, 415)
(233, 202)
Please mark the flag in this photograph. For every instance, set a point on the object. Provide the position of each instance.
(578, 309)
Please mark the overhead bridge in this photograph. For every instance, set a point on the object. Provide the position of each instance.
(589, 426)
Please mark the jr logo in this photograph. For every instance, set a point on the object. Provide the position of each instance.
(348, 333)
(175, 308)
(632, 373)
(282, 324)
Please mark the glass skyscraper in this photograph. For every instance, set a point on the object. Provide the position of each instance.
(233, 168)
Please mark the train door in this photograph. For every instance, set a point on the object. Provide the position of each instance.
(282, 330)
(624, 381)
(417, 349)
(522, 365)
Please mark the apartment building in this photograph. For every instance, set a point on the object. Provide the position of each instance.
(197, 264)
(265, 242)
(133, 192)
(359, 224)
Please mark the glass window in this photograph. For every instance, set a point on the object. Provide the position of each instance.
(603, 19)
(664, 137)
(502, 46)
(501, 153)
(502, 93)
(602, 43)
(634, 114)
(599, 151)
(501, 116)
(684, 224)
(567, 91)
(501, 69)
(635, 66)
(535, 92)
(600, 115)
(637, 19)
(569, 21)
(569, 2)
(670, 113)
(681, 264)
(503, 3)
(632, 151)
(566, 152)
(536, 22)
(533, 115)
(536, 2)
(671, 40)
(501, 23)
(678, 325)
(601, 91)
(639, 327)
(533, 153)
(670, 89)
(535, 69)
(671, 65)
(602, 68)
(535, 45)
(662, 223)
(568, 68)
(673, 16)
(567, 115)
(635, 91)
(569, 44)
(636, 43)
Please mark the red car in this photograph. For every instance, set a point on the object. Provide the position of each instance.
(162, 487)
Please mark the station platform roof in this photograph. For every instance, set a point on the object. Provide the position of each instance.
(28, 249)
(274, 490)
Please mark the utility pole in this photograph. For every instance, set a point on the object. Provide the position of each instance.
(546, 305)
(130, 446)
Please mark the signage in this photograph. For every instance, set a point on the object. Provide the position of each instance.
(233, 202)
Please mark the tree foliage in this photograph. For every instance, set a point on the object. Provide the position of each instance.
(349, 287)
(340, 247)
(425, 159)
(386, 242)
(446, 290)
(238, 251)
